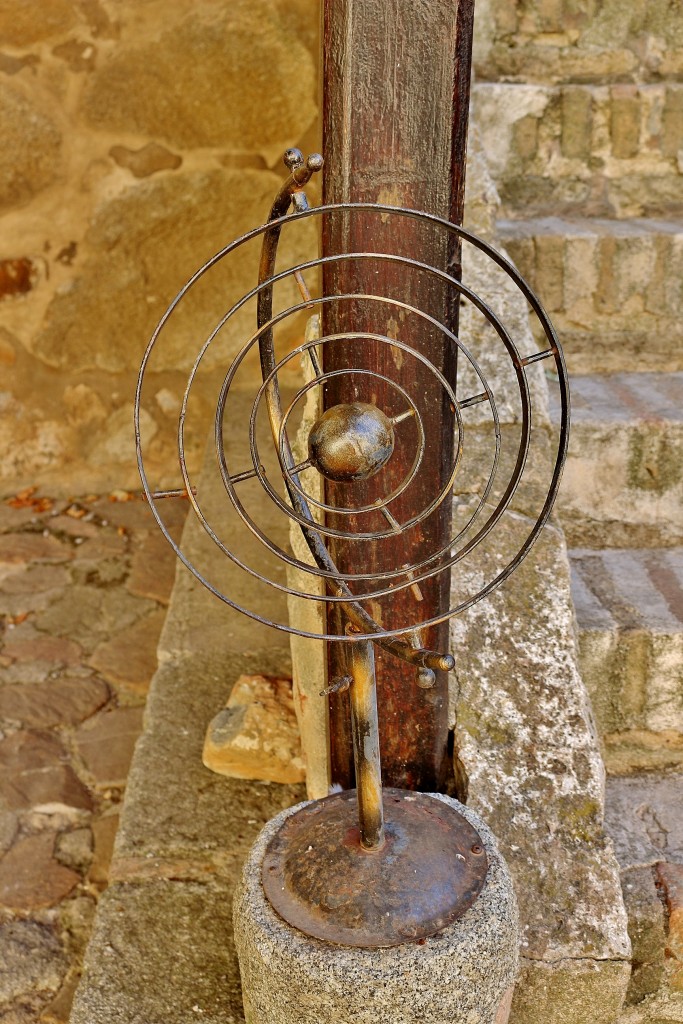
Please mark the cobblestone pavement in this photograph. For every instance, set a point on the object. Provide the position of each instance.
(83, 589)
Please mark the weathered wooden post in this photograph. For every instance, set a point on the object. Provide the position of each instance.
(396, 87)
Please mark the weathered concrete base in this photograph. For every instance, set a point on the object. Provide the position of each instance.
(462, 975)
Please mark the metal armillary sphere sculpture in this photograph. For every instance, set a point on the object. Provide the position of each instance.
(368, 867)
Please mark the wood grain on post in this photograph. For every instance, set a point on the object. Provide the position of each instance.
(396, 79)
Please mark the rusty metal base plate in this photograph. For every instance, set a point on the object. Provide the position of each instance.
(319, 879)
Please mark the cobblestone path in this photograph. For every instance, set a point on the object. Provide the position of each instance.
(83, 589)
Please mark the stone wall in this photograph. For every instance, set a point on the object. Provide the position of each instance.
(595, 118)
(138, 139)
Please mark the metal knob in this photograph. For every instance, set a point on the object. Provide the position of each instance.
(351, 442)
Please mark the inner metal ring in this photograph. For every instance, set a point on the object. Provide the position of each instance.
(319, 527)
(406, 573)
(388, 574)
(430, 559)
(339, 510)
(287, 509)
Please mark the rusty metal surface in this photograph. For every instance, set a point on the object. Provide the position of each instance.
(429, 871)
(365, 734)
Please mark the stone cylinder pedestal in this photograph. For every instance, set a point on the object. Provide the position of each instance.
(462, 975)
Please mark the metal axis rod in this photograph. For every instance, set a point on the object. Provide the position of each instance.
(365, 733)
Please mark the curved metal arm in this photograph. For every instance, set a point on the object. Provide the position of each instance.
(292, 192)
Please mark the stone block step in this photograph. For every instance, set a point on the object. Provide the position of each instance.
(614, 288)
(596, 150)
(623, 481)
(629, 611)
(551, 41)
(644, 820)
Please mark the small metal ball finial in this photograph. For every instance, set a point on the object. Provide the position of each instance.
(293, 158)
(351, 442)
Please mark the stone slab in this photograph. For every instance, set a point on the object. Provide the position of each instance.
(31, 878)
(66, 701)
(33, 960)
(161, 953)
(35, 772)
(611, 287)
(526, 744)
(629, 608)
(647, 931)
(644, 818)
(106, 742)
(527, 753)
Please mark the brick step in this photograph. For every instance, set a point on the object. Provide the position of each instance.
(614, 289)
(644, 820)
(623, 481)
(544, 40)
(591, 150)
(629, 611)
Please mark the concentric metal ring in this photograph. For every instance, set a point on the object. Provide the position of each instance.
(519, 365)
(418, 567)
(321, 528)
(317, 382)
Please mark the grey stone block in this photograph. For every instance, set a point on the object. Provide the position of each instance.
(526, 741)
(644, 818)
(458, 976)
(161, 953)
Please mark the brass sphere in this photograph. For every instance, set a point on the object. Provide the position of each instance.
(351, 442)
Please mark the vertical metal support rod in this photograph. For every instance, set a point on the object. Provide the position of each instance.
(365, 733)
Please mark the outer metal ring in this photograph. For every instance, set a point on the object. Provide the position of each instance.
(518, 364)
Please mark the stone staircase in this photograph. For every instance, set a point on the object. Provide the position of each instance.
(629, 609)
(614, 288)
(581, 116)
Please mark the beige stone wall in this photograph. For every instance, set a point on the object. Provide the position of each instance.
(580, 105)
(139, 137)
(556, 41)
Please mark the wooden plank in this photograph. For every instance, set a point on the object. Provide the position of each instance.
(395, 104)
